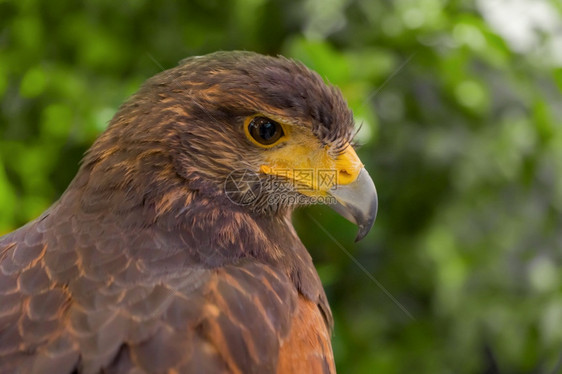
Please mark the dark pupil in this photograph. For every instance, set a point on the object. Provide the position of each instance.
(267, 130)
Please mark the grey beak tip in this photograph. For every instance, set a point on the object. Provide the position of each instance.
(361, 233)
(365, 228)
(358, 202)
(368, 223)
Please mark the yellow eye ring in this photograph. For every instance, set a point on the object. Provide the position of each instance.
(264, 132)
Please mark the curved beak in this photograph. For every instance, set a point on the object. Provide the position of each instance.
(343, 177)
(357, 201)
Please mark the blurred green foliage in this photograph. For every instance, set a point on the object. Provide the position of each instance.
(462, 133)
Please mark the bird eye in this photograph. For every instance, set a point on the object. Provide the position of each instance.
(265, 131)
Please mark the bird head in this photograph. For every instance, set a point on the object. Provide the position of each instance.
(263, 133)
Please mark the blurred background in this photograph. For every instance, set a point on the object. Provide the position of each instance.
(461, 113)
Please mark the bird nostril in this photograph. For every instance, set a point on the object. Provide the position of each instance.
(344, 177)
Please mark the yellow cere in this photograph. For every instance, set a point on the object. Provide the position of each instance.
(311, 166)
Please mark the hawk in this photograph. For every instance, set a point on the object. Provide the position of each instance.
(172, 250)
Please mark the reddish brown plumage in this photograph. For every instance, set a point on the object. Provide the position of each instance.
(144, 264)
(307, 348)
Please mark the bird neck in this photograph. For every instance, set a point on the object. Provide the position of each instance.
(216, 230)
(210, 230)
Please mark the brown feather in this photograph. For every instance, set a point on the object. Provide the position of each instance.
(144, 265)
(307, 348)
